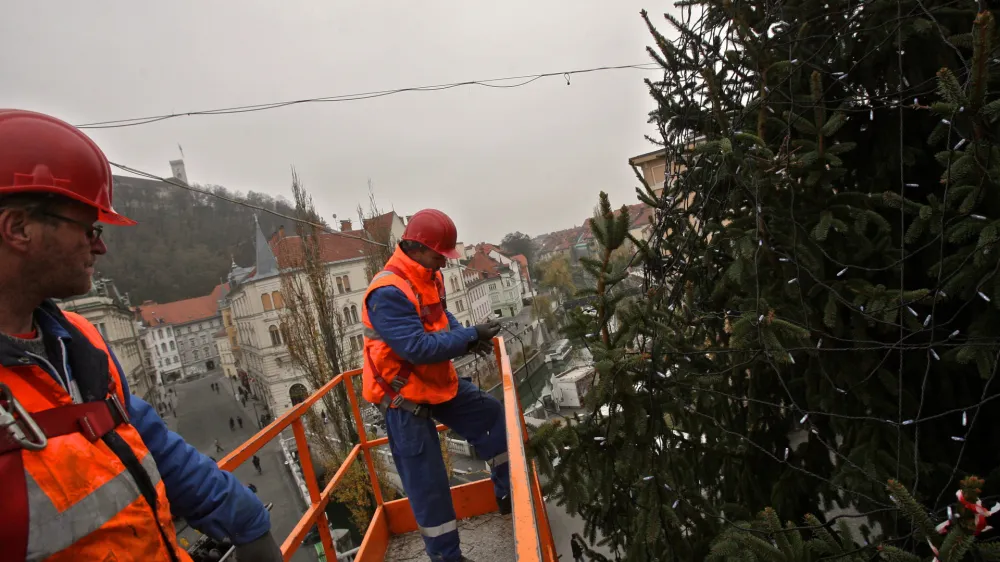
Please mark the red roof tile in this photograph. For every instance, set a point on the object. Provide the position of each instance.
(289, 250)
(187, 310)
(381, 223)
(483, 264)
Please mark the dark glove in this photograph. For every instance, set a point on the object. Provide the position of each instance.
(483, 348)
(263, 549)
(487, 330)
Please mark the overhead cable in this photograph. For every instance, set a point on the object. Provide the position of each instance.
(488, 83)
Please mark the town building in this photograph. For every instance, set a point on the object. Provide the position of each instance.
(504, 283)
(183, 334)
(653, 168)
(160, 352)
(107, 309)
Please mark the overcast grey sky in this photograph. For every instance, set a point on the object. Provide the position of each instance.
(497, 160)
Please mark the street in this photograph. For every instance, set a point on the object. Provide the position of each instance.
(203, 416)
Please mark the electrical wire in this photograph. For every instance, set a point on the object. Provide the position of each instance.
(487, 83)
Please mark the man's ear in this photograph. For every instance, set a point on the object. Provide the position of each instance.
(15, 229)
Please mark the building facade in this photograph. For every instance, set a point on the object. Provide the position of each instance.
(109, 311)
(504, 283)
(180, 334)
(160, 352)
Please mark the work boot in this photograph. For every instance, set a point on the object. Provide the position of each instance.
(504, 504)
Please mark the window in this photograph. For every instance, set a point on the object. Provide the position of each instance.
(340, 284)
(159, 334)
(195, 354)
(172, 346)
(357, 343)
(347, 284)
(168, 330)
(354, 314)
(498, 312)
(205, 351)
(466, 323)
(275, 335)
(191, 342)
(143, 342)
(204, 338)
(461, 306)
(493, 286)
(184, 356)
(265, 300)
(163, 346)
(347, 315)
(102, 330)
(278, 301)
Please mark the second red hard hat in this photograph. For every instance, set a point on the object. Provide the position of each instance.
(433, 229)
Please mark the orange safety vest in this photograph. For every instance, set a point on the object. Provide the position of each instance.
(432, 383)
(86, 494)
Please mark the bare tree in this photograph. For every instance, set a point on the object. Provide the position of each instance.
(379, 232)
(313, 330)
(311, 325)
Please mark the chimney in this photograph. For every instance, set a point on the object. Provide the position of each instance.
(408, 217)
(281, 232)
(345, 225)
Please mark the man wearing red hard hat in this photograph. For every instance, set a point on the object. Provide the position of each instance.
(410, 340)
(87, 471)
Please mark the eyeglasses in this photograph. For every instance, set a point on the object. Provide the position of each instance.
(93, 231)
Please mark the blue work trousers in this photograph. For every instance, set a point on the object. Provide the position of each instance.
(416, 451)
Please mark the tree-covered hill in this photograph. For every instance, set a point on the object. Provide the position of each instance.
(185, 242)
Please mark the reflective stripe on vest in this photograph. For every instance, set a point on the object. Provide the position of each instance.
(438, 530)
(50, 531)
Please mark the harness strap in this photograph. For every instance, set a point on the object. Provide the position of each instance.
(14, 515)
(431, 312)
(92, 419)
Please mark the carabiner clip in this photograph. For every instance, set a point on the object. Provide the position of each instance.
(36, 441)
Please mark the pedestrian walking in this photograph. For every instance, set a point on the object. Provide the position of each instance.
(256, 464)
(232, 425)
(576, 545)
(218, 448)
(239, 420)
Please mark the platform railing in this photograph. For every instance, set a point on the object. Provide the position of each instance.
(532, 534)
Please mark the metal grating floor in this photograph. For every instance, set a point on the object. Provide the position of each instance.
(487, 538)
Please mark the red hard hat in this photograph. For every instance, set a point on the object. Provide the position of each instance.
(433, 229)
(42, 154)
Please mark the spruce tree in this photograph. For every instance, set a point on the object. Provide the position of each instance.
(820, 309)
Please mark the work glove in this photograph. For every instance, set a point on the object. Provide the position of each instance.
(263, 549)
(487, 330)
(484, 332)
